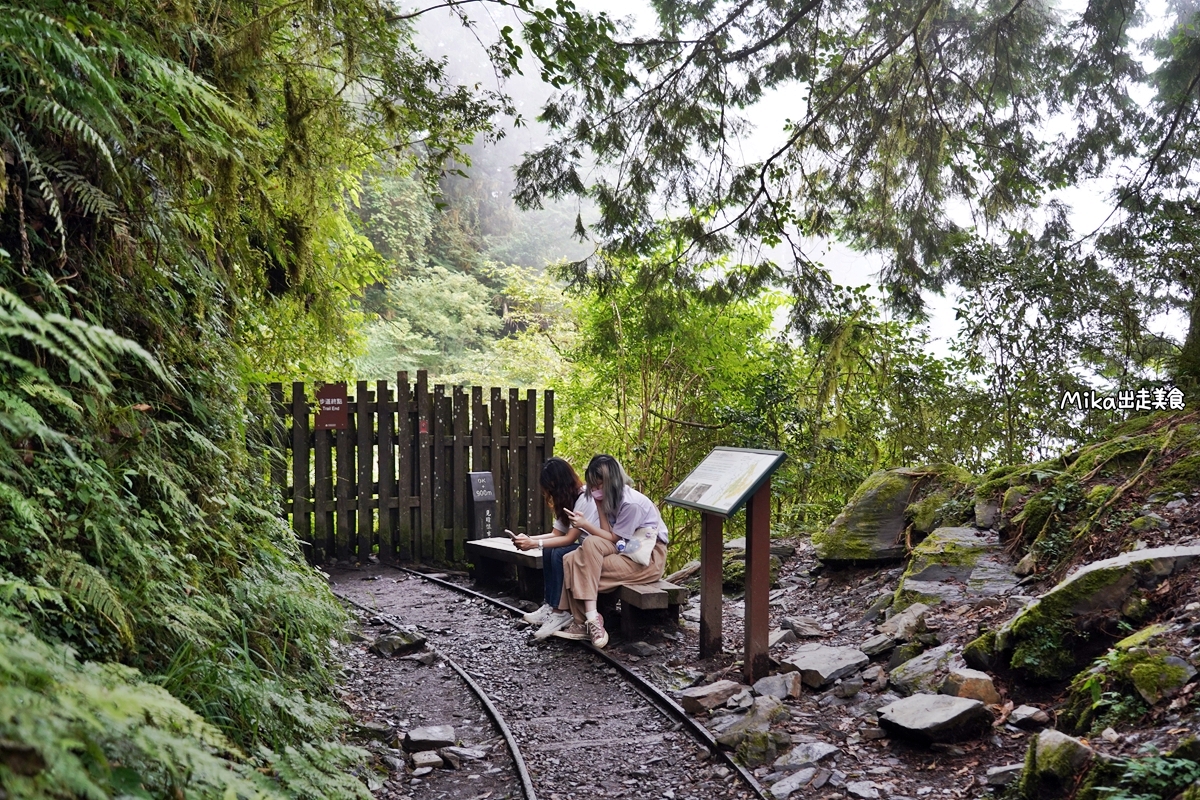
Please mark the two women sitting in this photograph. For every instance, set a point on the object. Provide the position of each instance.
(611, 534)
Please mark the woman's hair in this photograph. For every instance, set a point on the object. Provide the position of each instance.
(607, 474)
(561, 486)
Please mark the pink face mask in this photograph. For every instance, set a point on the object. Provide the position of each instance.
(598, 494)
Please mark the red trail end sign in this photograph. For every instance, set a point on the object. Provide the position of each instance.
(332, 408)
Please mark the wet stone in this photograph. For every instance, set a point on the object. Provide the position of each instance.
(971, 683)
(398, 643)
(1004, 775)
(862, 789)
(803, 627)
(878, 644)
(907, 624)
(935, 718)
(1028, 717)
(781, 686)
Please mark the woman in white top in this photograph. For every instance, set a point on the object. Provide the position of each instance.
(600, 563)
(563, 492)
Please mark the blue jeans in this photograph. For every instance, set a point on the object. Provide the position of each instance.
(552, 571)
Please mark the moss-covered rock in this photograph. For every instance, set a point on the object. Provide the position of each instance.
(1042, 639)
(1054, 763)
(870, 530)
(733, 571)
(925, 512)
(1120, 685)
(952, 565)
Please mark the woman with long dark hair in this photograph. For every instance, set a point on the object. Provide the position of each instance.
(564, 493)
(628, 546)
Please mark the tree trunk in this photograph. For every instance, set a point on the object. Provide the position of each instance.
(1187, 368)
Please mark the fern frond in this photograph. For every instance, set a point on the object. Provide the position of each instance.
(87, 587)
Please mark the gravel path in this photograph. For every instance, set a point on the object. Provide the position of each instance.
(583, 730)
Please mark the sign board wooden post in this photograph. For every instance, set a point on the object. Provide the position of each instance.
(712, 545)
(726, 480)
(483, 505)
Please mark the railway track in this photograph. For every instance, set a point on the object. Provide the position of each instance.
(578, 723)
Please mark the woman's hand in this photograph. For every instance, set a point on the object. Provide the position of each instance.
(577, 520)
(523, 542)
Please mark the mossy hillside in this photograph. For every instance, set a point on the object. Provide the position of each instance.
(1042, 639)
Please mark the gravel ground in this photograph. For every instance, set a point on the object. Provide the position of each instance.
(582, 729)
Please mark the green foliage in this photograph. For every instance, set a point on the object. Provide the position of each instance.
(1153, 776)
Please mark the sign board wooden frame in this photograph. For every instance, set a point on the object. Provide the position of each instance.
(725, 480)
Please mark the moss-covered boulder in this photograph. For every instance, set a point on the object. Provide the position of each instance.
(1053, 765)
(893, 508)
(870, 530)
(1045, 639)
(953, 565)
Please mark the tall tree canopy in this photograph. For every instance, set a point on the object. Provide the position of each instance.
(911, 126)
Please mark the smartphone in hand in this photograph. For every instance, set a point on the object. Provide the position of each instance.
(511, 535)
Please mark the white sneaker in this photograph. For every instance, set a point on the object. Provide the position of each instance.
(539, 616)
(555, 621)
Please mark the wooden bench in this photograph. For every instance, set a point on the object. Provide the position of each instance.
(646, 603)
(496, 560)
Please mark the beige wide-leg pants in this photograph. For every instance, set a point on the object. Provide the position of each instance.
(596, 566)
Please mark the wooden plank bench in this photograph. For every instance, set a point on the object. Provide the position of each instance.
(496, 560)
(646, 603)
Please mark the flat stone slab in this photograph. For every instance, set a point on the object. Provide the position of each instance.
(432, 737)
(808, 754)
(929, 718)
(820, 664)
(1004, 775)
(783, 788)
(709, 696)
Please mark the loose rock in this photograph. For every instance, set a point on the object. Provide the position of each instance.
(781, 789)
(426, 758)
(429, 738)
(820, 664)
(1003, 776)
(398, 643)
(935, 718)
(971, 683)
(906, 625)
(703, 698)
(1028, 717)
(923, 673)
(807, 754)
(780, 686)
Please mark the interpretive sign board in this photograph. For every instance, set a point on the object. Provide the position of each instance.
(332, 408)
(483, 505)
(726, 478)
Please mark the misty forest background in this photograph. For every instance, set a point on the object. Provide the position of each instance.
(197, 198)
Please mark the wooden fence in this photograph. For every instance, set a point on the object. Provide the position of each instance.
(396, 477)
